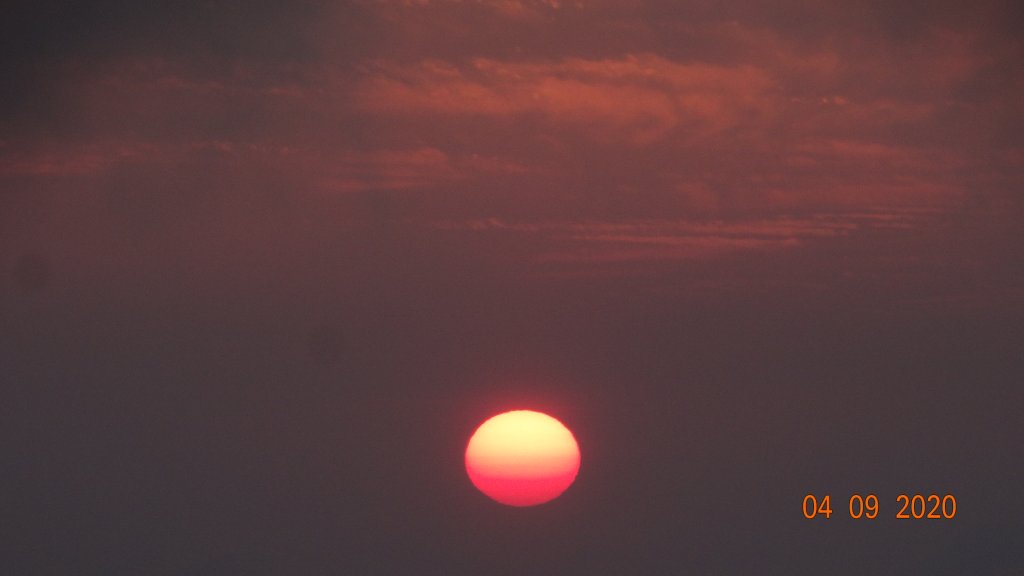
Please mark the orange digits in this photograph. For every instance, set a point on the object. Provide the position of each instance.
(866, 506)
(941, 508)
(825, 507)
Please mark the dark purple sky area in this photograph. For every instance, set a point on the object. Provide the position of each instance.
(264, 266)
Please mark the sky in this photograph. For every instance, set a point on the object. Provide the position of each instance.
(265, 266)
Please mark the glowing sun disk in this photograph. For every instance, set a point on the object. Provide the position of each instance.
(522, 458)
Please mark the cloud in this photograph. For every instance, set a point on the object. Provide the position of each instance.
(351, 171)
(617, 242)
(641, 98)
(552, 108)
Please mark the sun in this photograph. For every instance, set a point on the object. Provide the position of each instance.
(522, 458)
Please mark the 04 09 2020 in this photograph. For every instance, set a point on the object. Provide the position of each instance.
(907, 507)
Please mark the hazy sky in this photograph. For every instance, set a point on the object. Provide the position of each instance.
(264, 266)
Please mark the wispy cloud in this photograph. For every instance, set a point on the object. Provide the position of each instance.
(612, 242)
(641, 98)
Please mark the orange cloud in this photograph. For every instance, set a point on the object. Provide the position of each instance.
(640, 98)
